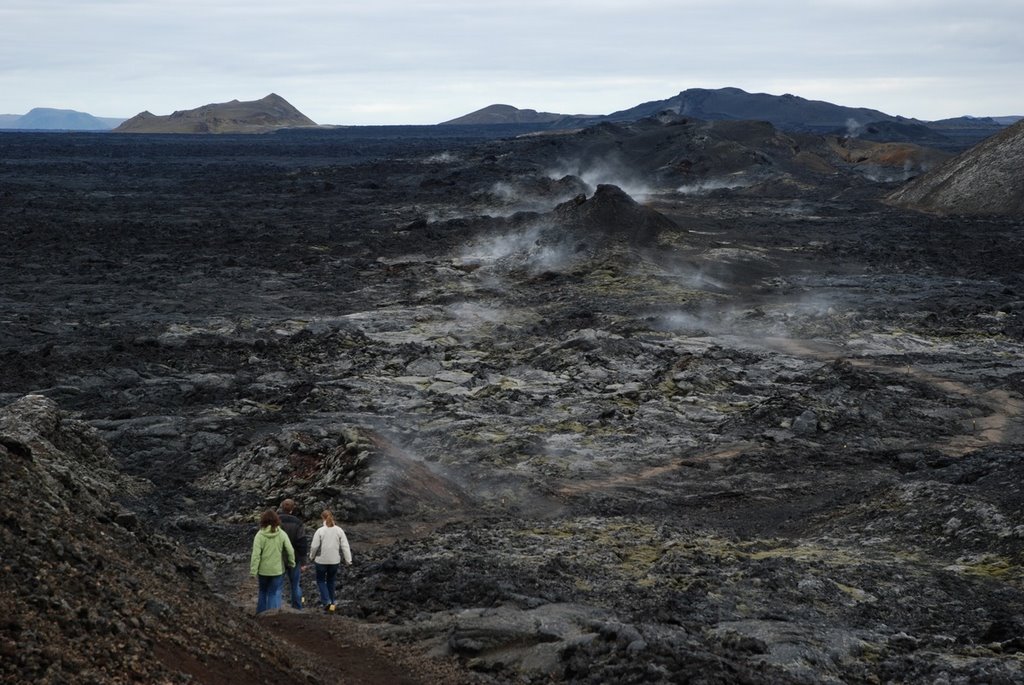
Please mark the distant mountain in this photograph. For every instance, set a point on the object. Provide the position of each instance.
(49, 119)
(965, 131)
(787, 112)
(987, 179)
(504, 114)
(1006, 121)
(965, 122)
(258, 116)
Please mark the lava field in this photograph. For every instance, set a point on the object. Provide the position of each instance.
(665, 402)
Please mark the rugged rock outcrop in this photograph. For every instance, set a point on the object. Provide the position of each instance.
(358, 473)
(894, 161)
(987, 179)
(258, 116)
(610, 214)
(673, 153)
(90, 594)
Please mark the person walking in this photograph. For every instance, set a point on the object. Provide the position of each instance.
(326, 551)
(296, 531)
(272, 554)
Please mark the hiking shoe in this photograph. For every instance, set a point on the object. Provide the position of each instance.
(330, 608)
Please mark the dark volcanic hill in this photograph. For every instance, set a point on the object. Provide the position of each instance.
(904, 132)
(785, 111)
(987, 179)
(505, 114)
(258, 116)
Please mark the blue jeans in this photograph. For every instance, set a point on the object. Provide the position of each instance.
(293, 584)
(325, 577)
(270, 593)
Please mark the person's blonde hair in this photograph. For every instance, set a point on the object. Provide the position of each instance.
(328, 518)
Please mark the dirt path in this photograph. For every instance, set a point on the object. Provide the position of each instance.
(334, 649)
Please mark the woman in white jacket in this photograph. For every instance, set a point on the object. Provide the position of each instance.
(325, 551)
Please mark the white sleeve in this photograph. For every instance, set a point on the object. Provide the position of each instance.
(314, 546)
(344, 546)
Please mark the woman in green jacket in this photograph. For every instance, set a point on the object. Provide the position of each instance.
(271, 552)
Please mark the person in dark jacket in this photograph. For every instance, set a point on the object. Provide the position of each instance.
(293, 527)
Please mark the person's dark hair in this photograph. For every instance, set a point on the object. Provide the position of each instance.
(328, 518)
(270, 518)
(288, 506)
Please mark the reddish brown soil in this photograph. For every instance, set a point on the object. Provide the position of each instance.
(325, 649)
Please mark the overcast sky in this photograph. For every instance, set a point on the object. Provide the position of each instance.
(413, 62)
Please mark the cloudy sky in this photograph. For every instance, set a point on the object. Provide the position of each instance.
(425, 61)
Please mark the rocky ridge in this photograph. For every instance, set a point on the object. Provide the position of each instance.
(985, 180)
(100, 597)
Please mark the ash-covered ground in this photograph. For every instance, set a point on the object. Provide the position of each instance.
(667, 402)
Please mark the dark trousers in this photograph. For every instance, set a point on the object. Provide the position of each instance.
(269, 596)
(292, 577)
(326, 574)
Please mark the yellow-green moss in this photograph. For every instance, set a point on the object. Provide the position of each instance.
(994, 567)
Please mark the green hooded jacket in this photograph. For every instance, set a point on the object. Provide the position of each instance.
(268, 550)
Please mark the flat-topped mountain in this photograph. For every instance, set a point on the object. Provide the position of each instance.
(50, 119)
(987, 179)
(257, 116)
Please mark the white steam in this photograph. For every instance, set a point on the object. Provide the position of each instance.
(886, 175)
(606, 171)
(474, 313)
(711, 184)
(518, 250)
(512, 199)
(441, 158)
(784, 319)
